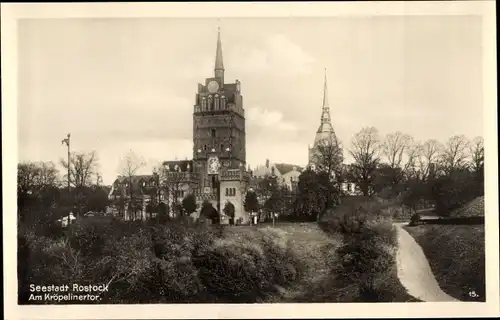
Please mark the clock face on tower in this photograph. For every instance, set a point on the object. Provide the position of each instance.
(213, 165)
(213, 86)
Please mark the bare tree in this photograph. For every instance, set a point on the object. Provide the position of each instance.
(365, 150)
(328, 156)
(83, 168)
(400, 151)
(129, 167)
(174, 180)
(477, 154)
(455, 153)
(33, 178)
(429, 154)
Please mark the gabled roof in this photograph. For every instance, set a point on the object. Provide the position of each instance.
(285, 168)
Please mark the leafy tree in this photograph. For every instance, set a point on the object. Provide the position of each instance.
(97, 199)
(251, 203)
(455, 189)
(151, 208)
(208, 211)
(316, 193)
(189, 203)
(163, 211)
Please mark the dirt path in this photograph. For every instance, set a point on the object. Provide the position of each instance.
(414, 271)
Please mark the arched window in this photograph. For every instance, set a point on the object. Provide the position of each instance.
(216, 100)
(203, 104)
(223, 102)
(210, 103)
(221, 147)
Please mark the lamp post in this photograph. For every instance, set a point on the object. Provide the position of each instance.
(67, 142)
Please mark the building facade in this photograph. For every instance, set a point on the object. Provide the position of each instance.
(285, 174)
(217, 172)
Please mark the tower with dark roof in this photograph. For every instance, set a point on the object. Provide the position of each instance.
(219, 133)
(325, 130)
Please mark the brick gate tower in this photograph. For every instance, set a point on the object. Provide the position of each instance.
(219, 149)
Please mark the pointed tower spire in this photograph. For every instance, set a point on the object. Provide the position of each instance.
(219, 64)
(325, 114)
(325, 127)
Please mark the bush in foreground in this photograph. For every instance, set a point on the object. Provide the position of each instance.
(365, 266)
(176, 262)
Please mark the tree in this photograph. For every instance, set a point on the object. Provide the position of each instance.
(172, 183)
(97, 199)
(477, 155)
(163, 210)
(316, 193)
(427, 157)
(365, 151)
(37, 187)
(455, 153)
(455, 189)
(328, 156)
(401, 152)
(251, 203)
(129, 166)
(208, 211)
(83, 170)
(189, 203)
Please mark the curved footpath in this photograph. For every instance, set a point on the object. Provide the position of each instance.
(414, 271)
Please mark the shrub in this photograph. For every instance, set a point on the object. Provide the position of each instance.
(368, 251)
(283, 264)
(160, 263)
(234, 271)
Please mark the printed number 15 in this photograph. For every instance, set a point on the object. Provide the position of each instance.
(473, 294)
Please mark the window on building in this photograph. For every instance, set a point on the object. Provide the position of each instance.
(227, 192)
(349, 187)
(221, 147)
(213, 133)
(216, 102)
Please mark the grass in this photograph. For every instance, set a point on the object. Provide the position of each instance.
(309, 243)
(456, 256)
(321, 282)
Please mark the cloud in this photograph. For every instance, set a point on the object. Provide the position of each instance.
(277, 56)
(269, 119)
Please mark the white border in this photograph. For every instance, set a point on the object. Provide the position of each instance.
(11, 12)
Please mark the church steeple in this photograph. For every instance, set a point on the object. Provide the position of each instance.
(219, 63)
(325, 129)
(325, 114)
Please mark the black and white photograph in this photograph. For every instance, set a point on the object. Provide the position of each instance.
(226, 158)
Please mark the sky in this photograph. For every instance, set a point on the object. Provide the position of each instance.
(129, 84)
